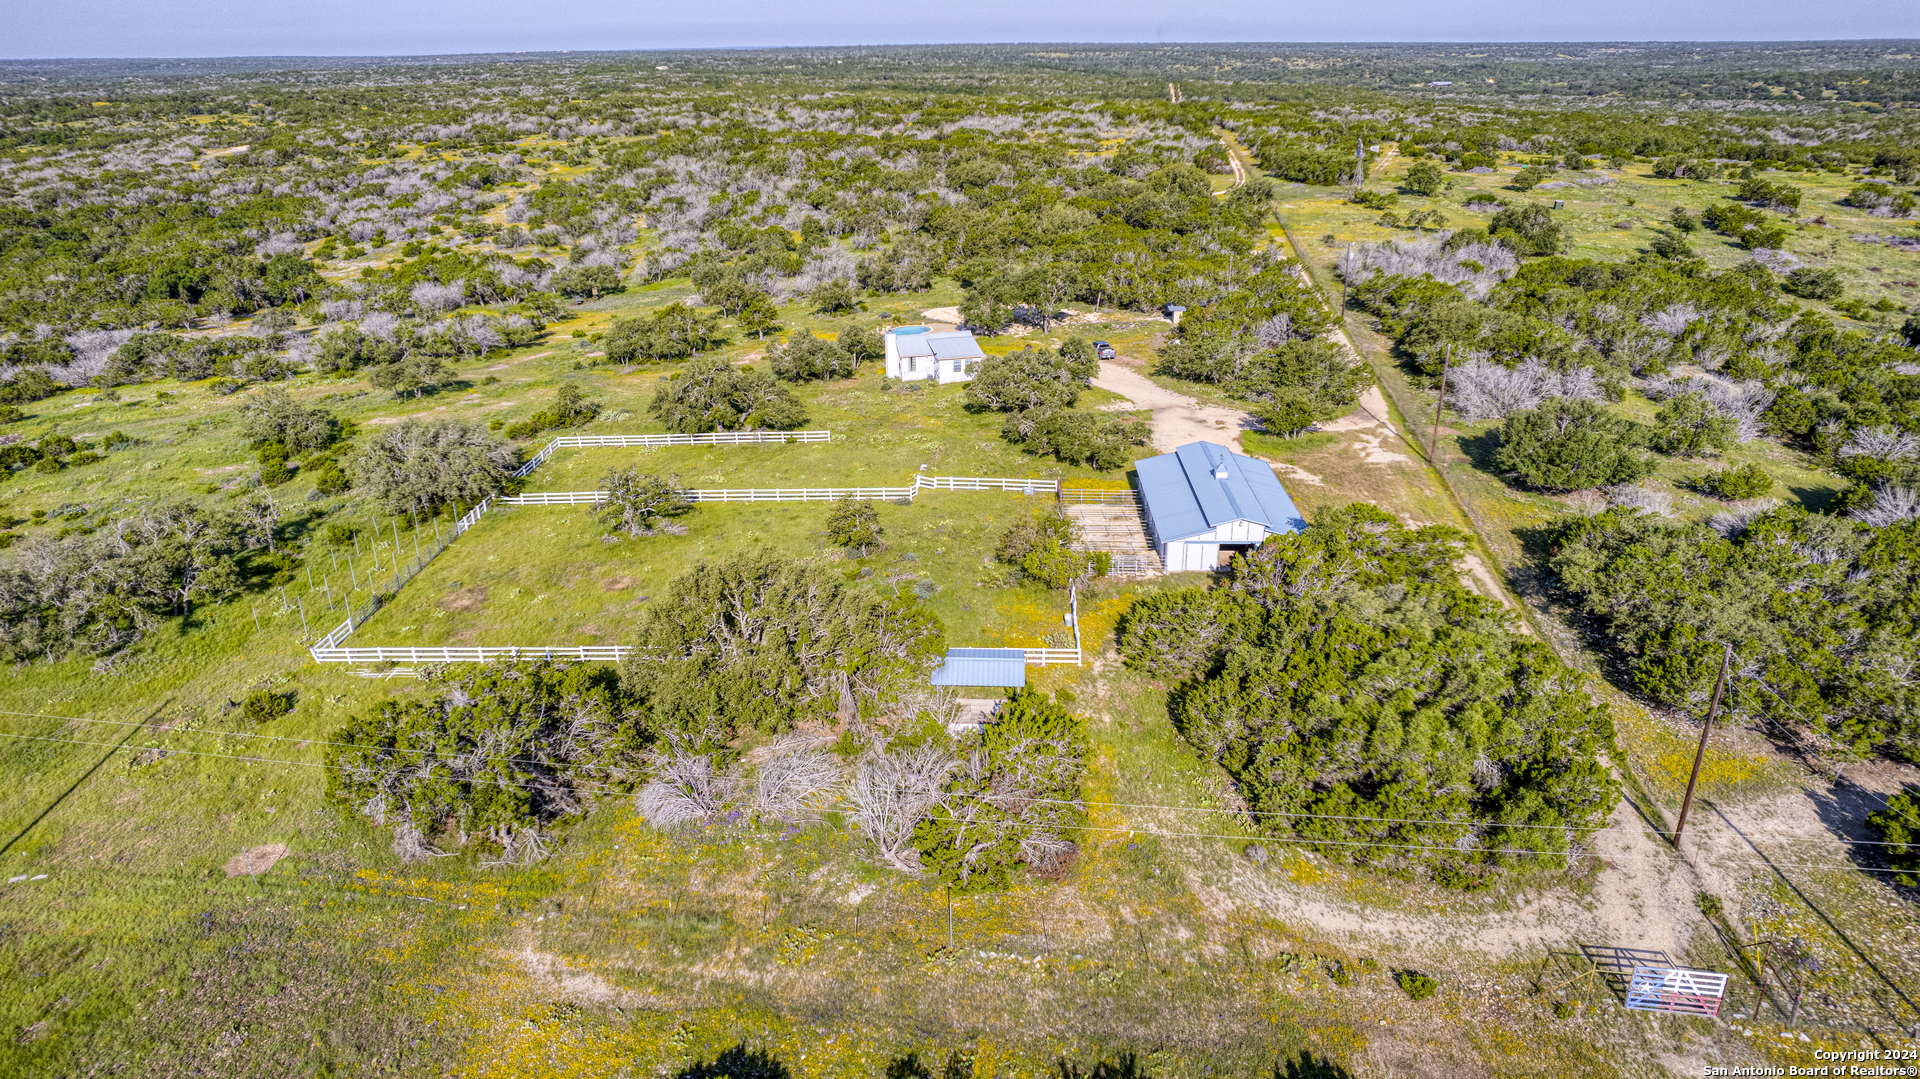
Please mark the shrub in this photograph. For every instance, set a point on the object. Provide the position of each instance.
(1042, 547)
(570, 409)
(1814, 284)
(1417, 986)
(1688, 425)
(1682, 220)
(1015, 801)
(1776, 196)
(1747, 481)
(854, 523)
(1570, 445)
(1424, 178)
(1668, 246)
(1531, 177)
(273, 465)
(1898, 827)
(328, 477)
(264, 705)
(1528, 230)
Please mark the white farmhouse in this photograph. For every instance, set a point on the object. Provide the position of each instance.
(1205, 503)
(919, 352)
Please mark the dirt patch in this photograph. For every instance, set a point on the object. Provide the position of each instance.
(618, 584)
(1642, 899)
(218, 471)
(552, 974)
(1294, 472)
(467, 599)
(942, 314)
(1177, 418)
(254, 861)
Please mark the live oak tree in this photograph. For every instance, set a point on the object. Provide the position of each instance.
(422, 467)
(638, 504)
(758, 641)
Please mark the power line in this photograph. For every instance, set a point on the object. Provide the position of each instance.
(601, 788)
(504, 781)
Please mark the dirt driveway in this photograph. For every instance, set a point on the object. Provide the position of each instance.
(1177, 418)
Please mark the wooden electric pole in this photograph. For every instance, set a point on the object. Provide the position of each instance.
(1700, 754)
(1433, 441)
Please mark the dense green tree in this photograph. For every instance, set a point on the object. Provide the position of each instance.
(1360, 696)
(1688, 425)
(806, 358)
(1567, 445)
(713, 395)
(1424, 178)
(853, 522)
(499, 755)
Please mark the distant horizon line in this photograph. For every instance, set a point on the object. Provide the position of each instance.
(1586, 42)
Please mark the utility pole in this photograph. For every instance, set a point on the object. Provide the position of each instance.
(1346, 270)
(1433, 442)
(1713, 709)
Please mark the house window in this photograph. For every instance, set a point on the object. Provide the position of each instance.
(956, 367)
(910, 362)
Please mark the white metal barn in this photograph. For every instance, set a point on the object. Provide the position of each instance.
(918, 352)
(1205, 503)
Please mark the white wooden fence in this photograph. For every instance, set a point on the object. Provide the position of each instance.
(329, 648)
(326, 652)
(802, 494)
(713, 438)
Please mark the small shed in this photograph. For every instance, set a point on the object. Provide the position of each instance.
(921, 352)
(1205, 503)
(1002, 667)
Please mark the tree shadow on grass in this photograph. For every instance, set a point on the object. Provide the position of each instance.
(1308, 1066)
(738, 1062)
(1480, 449)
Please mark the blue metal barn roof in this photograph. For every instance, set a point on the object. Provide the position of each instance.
(983, 667)
(1187, 496)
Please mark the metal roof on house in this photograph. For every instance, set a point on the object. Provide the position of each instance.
(983, 667)
(1203, 485)
(945, 345)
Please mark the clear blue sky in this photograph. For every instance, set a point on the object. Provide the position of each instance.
(96, 28)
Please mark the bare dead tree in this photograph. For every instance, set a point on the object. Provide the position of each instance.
(891, 793)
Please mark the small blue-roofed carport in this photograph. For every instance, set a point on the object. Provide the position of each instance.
(1205, 503)
(1004, 667)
